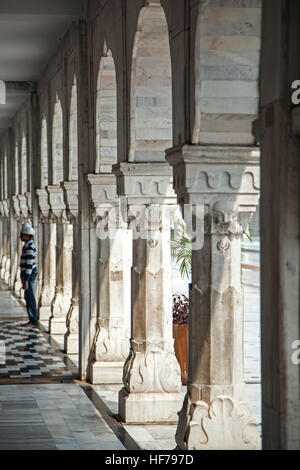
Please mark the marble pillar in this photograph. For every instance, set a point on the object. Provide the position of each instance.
(71, 341)
(151, 378)
(48, 261)
(63, 282)
(111, 343)
(225, 180)
(14, 235)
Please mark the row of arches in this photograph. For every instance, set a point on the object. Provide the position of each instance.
(150, 116)
(142, 122)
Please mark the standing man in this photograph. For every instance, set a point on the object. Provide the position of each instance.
(29, 273)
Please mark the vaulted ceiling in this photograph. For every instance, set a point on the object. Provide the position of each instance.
(30, 31)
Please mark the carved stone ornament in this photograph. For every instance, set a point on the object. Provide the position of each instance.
(225, 217)
(73, 318)
(153, 243)
(16, 206)
(29, 201)
(152, 367)
(5, 208)
(223, 245)
(222, 425)
(44, 206)
(103, 194)
(111, 344)
(70, 189)
(24, 210)
(57, 204)
(204, 174)
(144, 183)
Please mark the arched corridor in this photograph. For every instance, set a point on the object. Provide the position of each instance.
(131, 120)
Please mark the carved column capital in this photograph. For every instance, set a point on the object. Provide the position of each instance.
(44, 206)
(29, 202)
(207, 174)
(103, 193)
(57, 204)
(70, 189)
(16, 206)
(24, 209)
(4, 208)
(145, 183)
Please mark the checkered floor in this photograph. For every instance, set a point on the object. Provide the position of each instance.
(28, 354)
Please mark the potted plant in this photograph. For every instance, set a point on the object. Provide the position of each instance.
(181, 249)
(181, 333)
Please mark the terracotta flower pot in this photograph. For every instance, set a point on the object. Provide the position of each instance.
(181, 346)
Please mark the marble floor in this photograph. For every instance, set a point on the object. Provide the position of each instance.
(43, 405)
(50, 417)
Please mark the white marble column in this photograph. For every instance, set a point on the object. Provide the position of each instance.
(13, 249)
(63, 289)
(16, 281)
(7, 261)
(216, 412)
(152, 378)
(3, 253)
(71, 341)
(64, 240)
(111, 342)
(1, 242)
(49, 257)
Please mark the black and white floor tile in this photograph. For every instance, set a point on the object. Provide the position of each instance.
(28, 354)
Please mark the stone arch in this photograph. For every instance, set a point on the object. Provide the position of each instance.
(151, 87)
(24, 175)
(57, 144)
(106, 114)
(44, 153)
(73, 135)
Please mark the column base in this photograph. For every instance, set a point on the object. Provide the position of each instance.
(149, 407)
(106, 372)
(71, 344)
(44, 313)
(57, 326)
(224, 424)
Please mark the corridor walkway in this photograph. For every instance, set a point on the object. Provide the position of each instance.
(43, 405)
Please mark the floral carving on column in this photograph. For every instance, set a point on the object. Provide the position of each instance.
(111, 341)
(225, 180)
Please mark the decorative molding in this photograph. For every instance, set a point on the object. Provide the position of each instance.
(111, 343)
(73, 318)
(57, 204)
(16, 206)
(4, 208)
(204, 174)
(70, 189)
(24, 209)
(103, 192)
(145, 183)
(44, 206)
(29, 202)
(223, 425)
(152, 367)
